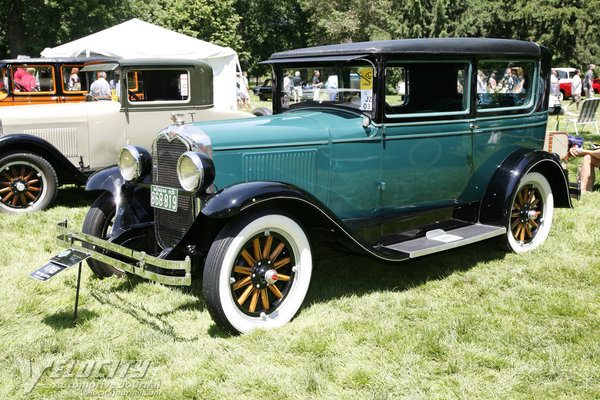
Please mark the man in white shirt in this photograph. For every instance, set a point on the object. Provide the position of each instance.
(576, 89)
(100, 89)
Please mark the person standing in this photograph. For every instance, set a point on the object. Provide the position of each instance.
(246, 90)
(287, 90)
(297, 80)
(588, 82)
(100, 88)
(316, 85)
(576, 89)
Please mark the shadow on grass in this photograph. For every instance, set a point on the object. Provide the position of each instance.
(74, 196)
(64, 319)
(340, 274)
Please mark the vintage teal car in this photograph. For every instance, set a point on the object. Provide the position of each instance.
(405, 148)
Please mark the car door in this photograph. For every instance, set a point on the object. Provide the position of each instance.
(427, 154)
(506, 119)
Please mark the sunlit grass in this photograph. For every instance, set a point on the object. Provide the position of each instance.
(471, 323)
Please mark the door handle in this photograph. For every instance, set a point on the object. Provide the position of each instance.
(475, 128)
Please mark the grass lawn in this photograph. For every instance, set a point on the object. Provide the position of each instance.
(471, 323)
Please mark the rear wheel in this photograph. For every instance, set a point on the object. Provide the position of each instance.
(98, 222)
(27, 183)
(257, 272)
(530, 215)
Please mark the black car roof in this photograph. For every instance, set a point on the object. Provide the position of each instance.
(439, 46)
(52, 60)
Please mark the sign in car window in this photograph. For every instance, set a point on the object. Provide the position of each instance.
(366, 89)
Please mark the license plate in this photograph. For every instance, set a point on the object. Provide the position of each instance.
(164, 198)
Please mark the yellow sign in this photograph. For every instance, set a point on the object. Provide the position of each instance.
(366, 78)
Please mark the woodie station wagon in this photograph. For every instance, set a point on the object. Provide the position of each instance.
(452, 159)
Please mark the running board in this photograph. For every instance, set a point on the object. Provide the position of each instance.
(439, 240)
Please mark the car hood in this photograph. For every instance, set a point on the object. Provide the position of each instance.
(293, 128)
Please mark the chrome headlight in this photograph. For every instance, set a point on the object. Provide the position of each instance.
(195, 171)
(134, 162)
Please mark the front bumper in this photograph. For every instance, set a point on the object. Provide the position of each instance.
(135, 262)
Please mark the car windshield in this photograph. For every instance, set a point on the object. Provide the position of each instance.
(347, 85)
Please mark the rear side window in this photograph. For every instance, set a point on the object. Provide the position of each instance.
(157, 85)
(27, 79)
(426, 88)
(74, 80)
(504, 84)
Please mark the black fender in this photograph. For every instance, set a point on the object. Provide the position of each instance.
(132, 201)
(67, 172)
(498, 196)
(242, 198)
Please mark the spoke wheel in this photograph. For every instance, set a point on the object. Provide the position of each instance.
(531, 214)
(27, 183)
(98, 222)
(257, 272)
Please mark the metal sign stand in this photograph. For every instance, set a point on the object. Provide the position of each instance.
(77, 295)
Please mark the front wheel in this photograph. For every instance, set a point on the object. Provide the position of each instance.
(257, 272)
(27, 183)
(98, 222)
(530, 214)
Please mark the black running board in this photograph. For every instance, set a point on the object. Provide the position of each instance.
(439, 240)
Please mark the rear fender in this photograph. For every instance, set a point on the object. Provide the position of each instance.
(498, 196)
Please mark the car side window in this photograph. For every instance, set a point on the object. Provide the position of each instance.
(73, 80)
(158, 85)
(28, 79)
(426, 88)
(504, 84)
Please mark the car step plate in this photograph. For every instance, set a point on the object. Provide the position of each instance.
(439, 240)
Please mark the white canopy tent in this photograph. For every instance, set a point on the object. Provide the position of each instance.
(139, 39)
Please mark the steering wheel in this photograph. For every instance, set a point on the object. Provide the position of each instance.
(133, 95)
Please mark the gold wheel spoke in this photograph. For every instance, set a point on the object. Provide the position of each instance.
(22, 198)
(535, 225)
(240, 270)
(4, 183)
(534, 202)
(13, 172)
(514, 224)
(253, 301)
(518, 231)
(242, 299)
(22, 174)
(520, 198)
(276, 252)
(28, 194)
(284, 278)
(281, 263)
(264, 296)
(33, 181)
(29, 175)
(4, 190)
(248, 258)
(522, 237)
(528, 230)
(275, 291)
(33, 189)
(242, 282)
(267, 248)
(7, 197)
(8, 177)
(256, 246)
(531, 195)
(14, 200)
(515, 214)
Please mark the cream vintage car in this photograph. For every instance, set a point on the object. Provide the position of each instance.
(45, 146)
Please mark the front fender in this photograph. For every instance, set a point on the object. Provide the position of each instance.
(132, 201)
(232, 201)
(498, 196)
(67, 172)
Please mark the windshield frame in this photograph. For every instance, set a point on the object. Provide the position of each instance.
(278, 70)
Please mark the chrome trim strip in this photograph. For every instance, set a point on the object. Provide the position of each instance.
(68, 238)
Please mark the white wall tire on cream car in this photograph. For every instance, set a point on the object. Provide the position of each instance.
(257, 272)
(530, 214)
